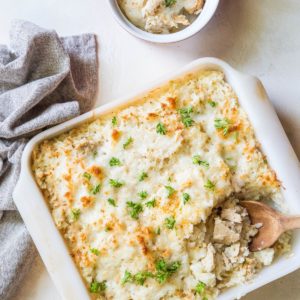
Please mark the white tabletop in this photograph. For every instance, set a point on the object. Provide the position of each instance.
(258, 37)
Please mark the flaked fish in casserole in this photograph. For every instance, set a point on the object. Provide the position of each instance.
(147, 197)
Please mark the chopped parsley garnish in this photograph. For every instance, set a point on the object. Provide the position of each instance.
(143, 176)
(170, 190)
(75, 213)
(143, 194)
(222, 124)
(114, 162)
(169, 3)
(127, 143)
(197, 161)
(115, 183)
(161, 129)
(114, 121)
(200, 287)
(170, 222)
(186, 198)
(95, 251)
(209, 185)
(165, 270)
(134, 209)
(150, 203)
(186, 118)
(212, 103)
(87, 175)
(95, 153)
(127, 277)
(97, 287)
(111, 201)
(140, 277)
(96, 189)
(158, 231)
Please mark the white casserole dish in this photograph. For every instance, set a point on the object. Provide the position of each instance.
(269, 132)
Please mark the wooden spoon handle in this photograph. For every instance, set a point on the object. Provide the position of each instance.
(289, 223)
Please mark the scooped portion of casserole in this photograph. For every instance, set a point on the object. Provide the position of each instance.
(161, 16)
(147, 197)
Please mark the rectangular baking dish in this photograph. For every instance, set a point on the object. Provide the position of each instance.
(269, 132)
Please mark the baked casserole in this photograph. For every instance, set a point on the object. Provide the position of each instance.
(147, 197)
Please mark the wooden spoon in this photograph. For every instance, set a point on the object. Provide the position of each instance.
(273, 224)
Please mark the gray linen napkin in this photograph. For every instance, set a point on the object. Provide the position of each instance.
(44, 80)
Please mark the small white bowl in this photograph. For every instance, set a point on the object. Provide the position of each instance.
(202, 19)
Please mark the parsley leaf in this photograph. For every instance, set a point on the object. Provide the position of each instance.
(114, 162)
(170, 190)
(200, 287)
(186, 118)
(75, 213)
(95, 153)
(134, 209)
(143, 176)
(97, 287)
(127, 277)
(158, 231)
(212, 103)
(111, 201)
(141, 277)
(169, 3)
(143, 194)
(197, 161)
(95, 251)
(170, 222)
(186, 197)
(209, 185)
(87, 175)
(222, 124)
(114, 121)
(161, 129)
(127, 143)
(115, 183)
(96, 189)
(150, 203)
(164, 270)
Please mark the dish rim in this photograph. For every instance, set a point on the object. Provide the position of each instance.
(252, 98)
(200, 22)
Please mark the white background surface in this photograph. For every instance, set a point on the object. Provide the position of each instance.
(258, 37)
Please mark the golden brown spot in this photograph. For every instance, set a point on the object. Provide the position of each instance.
(172, 102)
(152, 116)
(115, 135)
(83, 237)
(67, 177)
(68, 196)
(96, 171)
(142, 243)
(166, 253)
(87, 200)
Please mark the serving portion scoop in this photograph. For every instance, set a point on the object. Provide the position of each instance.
(273, 224)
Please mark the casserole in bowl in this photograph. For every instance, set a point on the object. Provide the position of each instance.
(166, 131)
(196, 25)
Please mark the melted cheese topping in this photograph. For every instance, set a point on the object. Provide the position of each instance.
(161, 16)
(135, 192)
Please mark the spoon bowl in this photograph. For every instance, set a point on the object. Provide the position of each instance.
(272, 224)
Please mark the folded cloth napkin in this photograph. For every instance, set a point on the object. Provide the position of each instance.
(44, 80)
